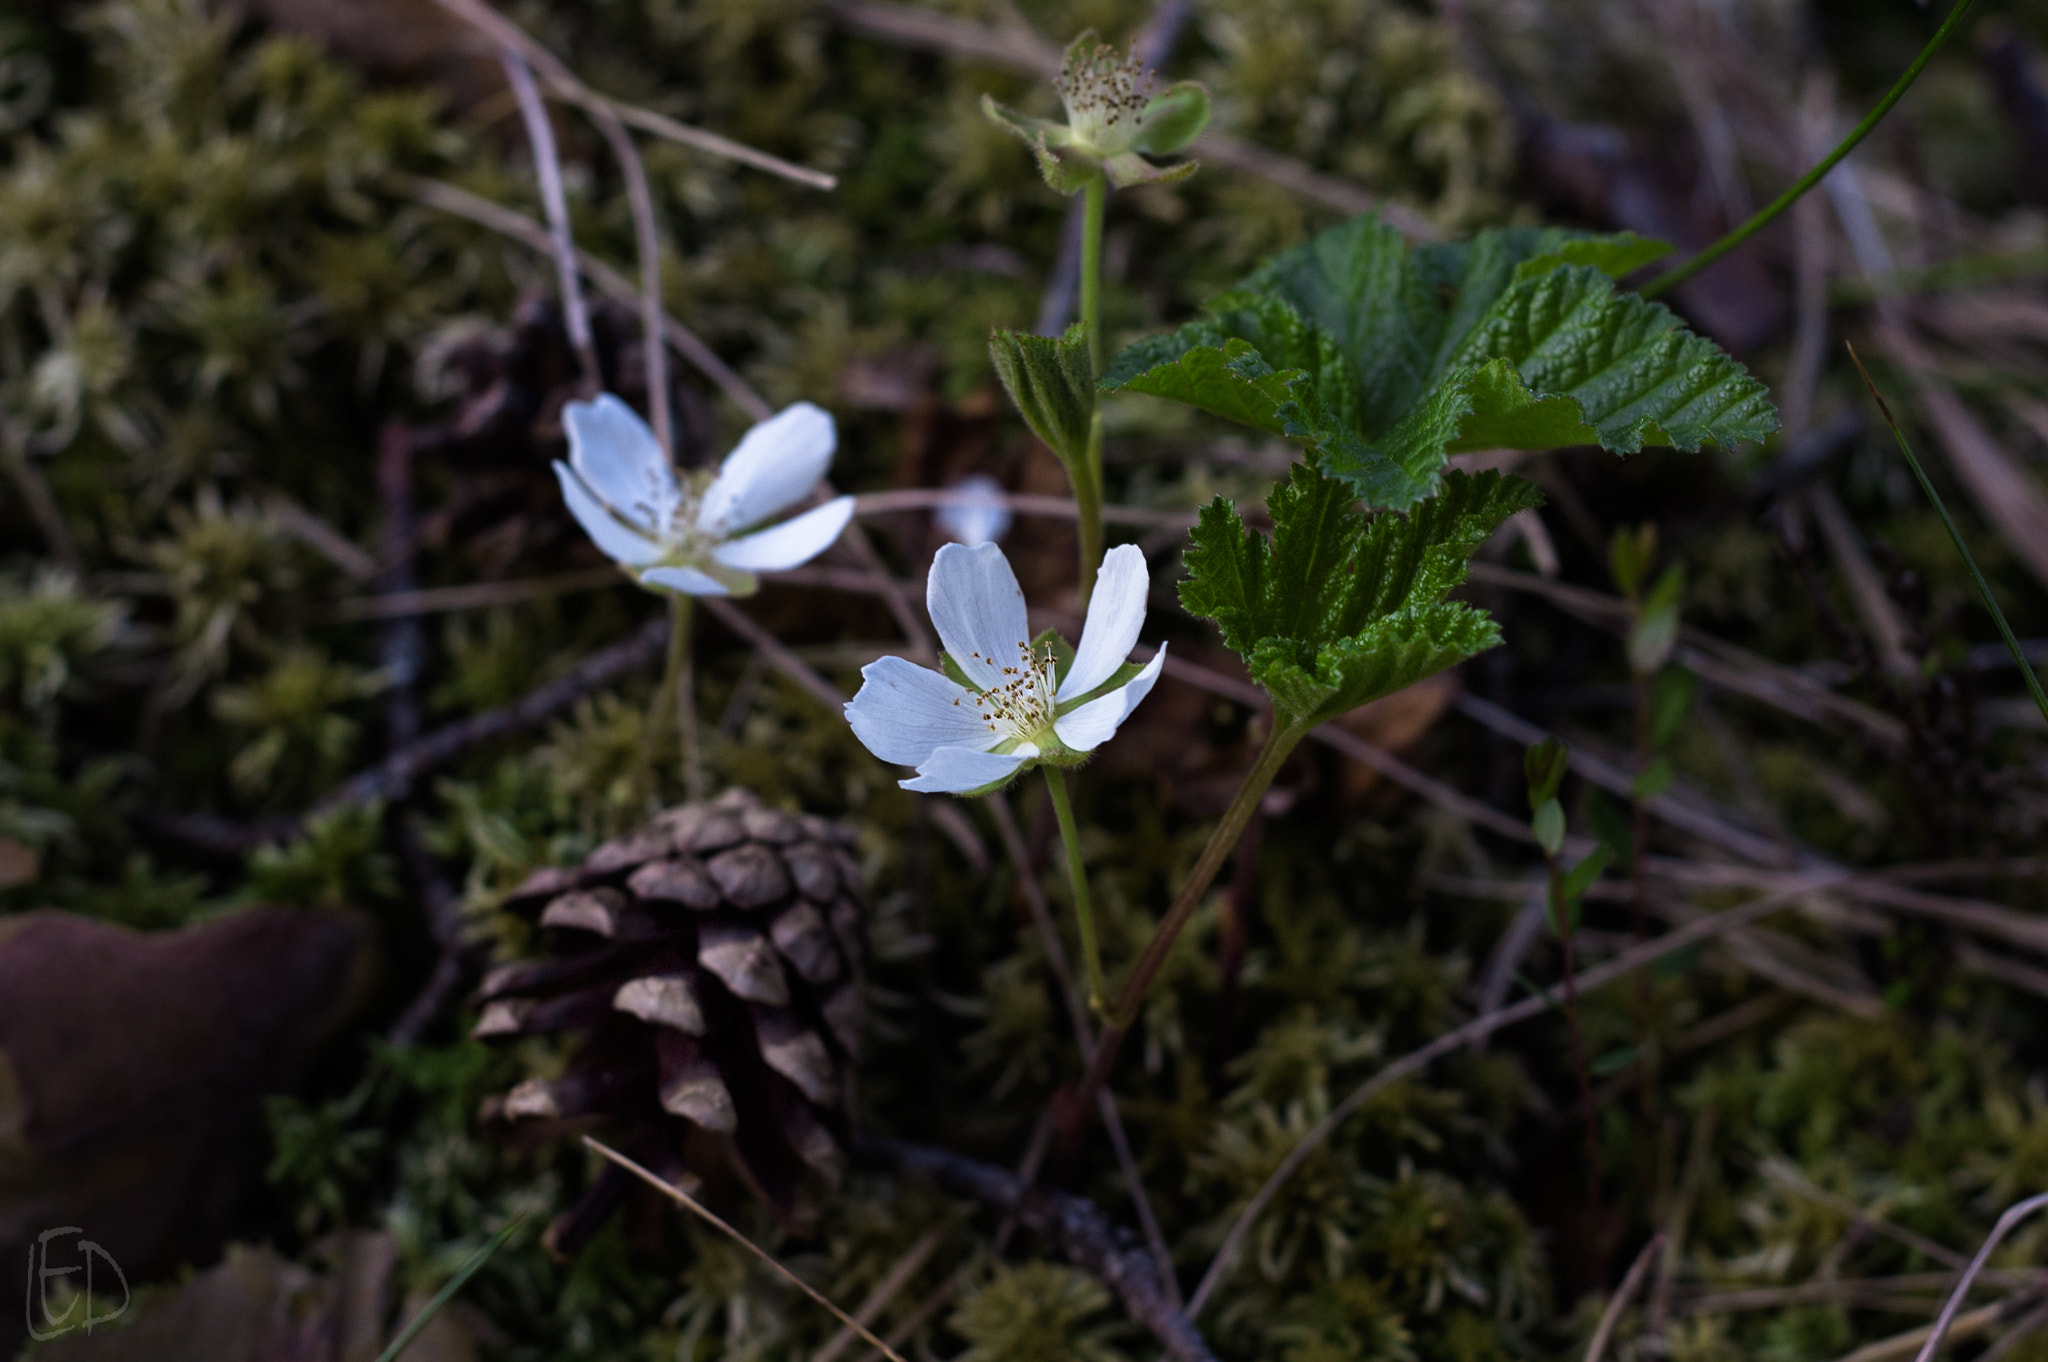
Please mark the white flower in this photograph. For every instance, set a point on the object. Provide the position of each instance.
(1019, 706)
(686, 535)
(978, 514)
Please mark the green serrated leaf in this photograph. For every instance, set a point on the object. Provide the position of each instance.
(1253, 361)
(1052, 384)
(1383, 360)
(1615, 256)
(1340, 607)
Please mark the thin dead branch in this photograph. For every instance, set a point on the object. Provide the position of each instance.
(506, 222)
(563, 83)
(547, 166)
(1610, 1318)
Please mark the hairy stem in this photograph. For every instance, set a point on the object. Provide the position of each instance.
(1769, 212)
(1074, 1107)
(1088, 480)
(682, 683)
(1088, 504)
(1077, 875)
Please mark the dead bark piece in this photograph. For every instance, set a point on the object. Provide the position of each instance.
(665, 999)
(744, 961)
(749, 876)
(796, 1052)
(690, 1084)
(806, 942)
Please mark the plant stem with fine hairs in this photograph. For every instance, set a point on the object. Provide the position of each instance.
(1088, 480)
(1077, 876)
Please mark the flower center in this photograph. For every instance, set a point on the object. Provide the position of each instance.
(1021, 706)
(1104, 94)
(675, 518)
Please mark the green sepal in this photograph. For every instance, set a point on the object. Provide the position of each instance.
(1338, 607)
(1127, 168)
(1052, 385)
(1173, 118)
(1031, 130)
(953, 673)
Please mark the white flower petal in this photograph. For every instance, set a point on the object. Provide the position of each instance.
(620, 543)
(980, 515)
(904, 713)
(978, 609)
(1116, 612)
(688, 580)
(775, 465)
(794, 541)
(615, 453)
(956, 770)
(1093, 724)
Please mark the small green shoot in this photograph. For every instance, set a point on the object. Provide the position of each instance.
(2012, 643)
(447, 1293)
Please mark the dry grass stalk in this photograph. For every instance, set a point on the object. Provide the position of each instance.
(696, 1208)
(547, 165)
(1610, 1318)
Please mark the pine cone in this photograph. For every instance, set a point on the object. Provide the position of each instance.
(714, 958)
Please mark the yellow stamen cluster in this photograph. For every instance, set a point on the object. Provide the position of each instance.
(1022, 705)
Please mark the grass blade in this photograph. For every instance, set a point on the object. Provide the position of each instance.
(2012, 643)
(447, 1293)
(1763, 216)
